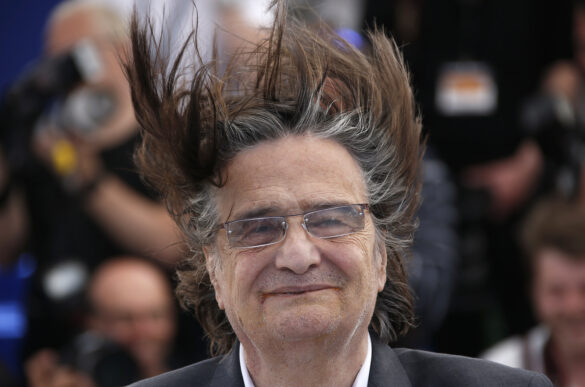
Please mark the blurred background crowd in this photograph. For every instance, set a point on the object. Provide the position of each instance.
(87, 253)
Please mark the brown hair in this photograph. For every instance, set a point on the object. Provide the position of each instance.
(555, 223)
(297, 81)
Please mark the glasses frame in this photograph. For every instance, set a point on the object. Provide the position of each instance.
(226, 226)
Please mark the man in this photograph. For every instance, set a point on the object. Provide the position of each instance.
(294, 175)
(131, 304)
(554, 242)
(87, 144)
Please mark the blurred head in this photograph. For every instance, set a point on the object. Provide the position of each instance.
(302, 122)
(132, 302)
(554, 240)
(75, 22)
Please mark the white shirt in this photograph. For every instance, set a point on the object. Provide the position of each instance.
(361, 380)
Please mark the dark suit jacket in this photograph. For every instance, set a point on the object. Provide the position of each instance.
(390, 367)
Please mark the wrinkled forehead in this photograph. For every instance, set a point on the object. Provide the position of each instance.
(295, 173)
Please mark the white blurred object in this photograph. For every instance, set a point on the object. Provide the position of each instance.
(337, 13)
(88, 61)
(466, 88)
(65, 279)
(86, 110)
(254, 12)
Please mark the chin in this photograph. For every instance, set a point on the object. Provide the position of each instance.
(571, 337)
(305, 322)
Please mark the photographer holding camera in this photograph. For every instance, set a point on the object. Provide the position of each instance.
(88, 144)
(131, 326)
(68, 130)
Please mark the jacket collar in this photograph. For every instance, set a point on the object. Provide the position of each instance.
(386, 368)
(228, 372)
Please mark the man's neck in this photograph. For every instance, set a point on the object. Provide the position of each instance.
(316, 362)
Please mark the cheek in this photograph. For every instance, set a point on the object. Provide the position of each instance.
(547, 301)
(120, 331)
(162, 327)
(354, 256)
(238, 273)
(348, 254)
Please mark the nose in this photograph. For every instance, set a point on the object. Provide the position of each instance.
(297, 252)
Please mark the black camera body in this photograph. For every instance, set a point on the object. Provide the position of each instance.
(554, 123)
(107, 363)
(29, 97)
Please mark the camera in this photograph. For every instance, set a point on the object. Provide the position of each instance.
(44, 83)
(556, 126)
(100, 358)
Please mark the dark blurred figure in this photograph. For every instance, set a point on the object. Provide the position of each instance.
(15, 271)
(554, 242)
(13, 217)
(555, 116)
(131, 331)
(475, 63)
(432, 267)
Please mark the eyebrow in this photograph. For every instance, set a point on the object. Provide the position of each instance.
(257, 212)
(327, 204)
(278, 211)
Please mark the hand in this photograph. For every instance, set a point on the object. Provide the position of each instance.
(509, 181)
(43, 370)
(71, 157)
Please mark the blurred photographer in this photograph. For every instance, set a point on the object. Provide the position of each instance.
(131, 330)
(73, 155)
(556, 115)
(95, 121)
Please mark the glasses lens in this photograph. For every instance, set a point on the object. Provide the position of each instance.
(337, 221)
(255, 232)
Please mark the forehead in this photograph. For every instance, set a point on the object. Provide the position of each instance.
(130, 286)
(68, 30)
(295, 173)
(554, 265)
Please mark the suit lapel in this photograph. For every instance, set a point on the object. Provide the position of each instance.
(228, 372)
(386, 369)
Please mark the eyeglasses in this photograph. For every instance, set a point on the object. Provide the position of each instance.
(327, 223)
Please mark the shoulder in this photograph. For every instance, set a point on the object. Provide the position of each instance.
(521, 351)
(427, 368)
(509, 352)
(201, 372)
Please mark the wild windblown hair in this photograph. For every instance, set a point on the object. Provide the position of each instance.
(298, 81)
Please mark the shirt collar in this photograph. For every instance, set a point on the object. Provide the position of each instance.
(361, 380)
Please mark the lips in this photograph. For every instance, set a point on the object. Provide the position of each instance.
(297, 290)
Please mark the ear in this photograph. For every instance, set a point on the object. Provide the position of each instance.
(382, 262)
(211, 265)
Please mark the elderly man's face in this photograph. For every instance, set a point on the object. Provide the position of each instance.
(559, 297)
(302, 287)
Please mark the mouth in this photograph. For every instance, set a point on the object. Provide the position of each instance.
(297, 290)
